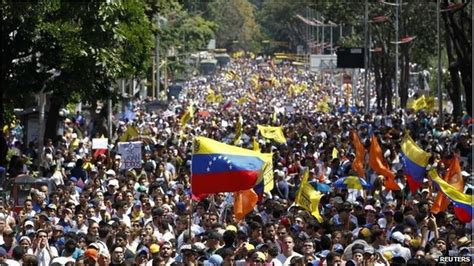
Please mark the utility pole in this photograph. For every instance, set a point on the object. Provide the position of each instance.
(332, 26)
(322, 39)
(157, 57)
(366, 56)
(438, 80)
(397, 9)
(42, 107)
(109, 114)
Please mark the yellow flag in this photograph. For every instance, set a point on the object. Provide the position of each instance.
(254, 81)
(238, 130)
(275, 133)
(242, 100)
(211, 97)
(268, 172)
(130, 133)
(187, 115)
(308, 197)
(232, 75)
(335, 153)
(255, 145)
(274, 117)
(323, 107)
(423, 102)
(218, 98)
(303, 181)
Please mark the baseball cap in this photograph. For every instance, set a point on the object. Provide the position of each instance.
(231, 228)
(52, 206)
(144, 249)
(154, 248)
(114, 182)
(369, 208)
(25, 238)
(365, 232)
(216, 260)
(91, 253)
(259, 255)
(93, 245)
(398, 236)
(369, 250)
(110, 172)
(249, 247)
(58, 228)
(29, 223)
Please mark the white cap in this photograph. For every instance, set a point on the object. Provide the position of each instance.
(398, 236)
(29, 223)
(110, 172)
(114, 182)
(382, 222)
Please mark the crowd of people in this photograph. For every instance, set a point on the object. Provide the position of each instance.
(98, 213)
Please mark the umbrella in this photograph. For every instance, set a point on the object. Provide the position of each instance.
(321, 187)
(353, 182)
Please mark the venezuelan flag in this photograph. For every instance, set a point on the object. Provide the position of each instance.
(415, 160)
(218, 167)
(462, 202)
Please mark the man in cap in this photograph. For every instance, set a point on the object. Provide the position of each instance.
(189, 255)
(142, 257)
(212, 243)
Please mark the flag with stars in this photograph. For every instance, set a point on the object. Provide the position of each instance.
(218, 167)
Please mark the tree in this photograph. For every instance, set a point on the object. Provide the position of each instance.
(236, 24)
(71, 50)
(458, 26)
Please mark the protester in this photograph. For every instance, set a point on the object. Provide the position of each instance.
(100, 211)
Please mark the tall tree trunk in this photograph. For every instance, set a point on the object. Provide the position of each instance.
(378, 79)
(462, 47)
(466, 74)
(454, 89)
(53, 118)
(405, 75)
(383, 90)
(3, 140)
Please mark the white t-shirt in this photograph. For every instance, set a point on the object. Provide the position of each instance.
(45, 257)
(286, 260)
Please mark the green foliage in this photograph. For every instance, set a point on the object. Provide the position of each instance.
(73, 50)
(236, 24)
(278, 20)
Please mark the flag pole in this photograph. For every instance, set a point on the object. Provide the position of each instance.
(190, 221)
(192, 205)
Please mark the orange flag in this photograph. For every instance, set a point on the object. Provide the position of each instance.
(452, 177)
(244, 202)
(378, 164)
(358, 164)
